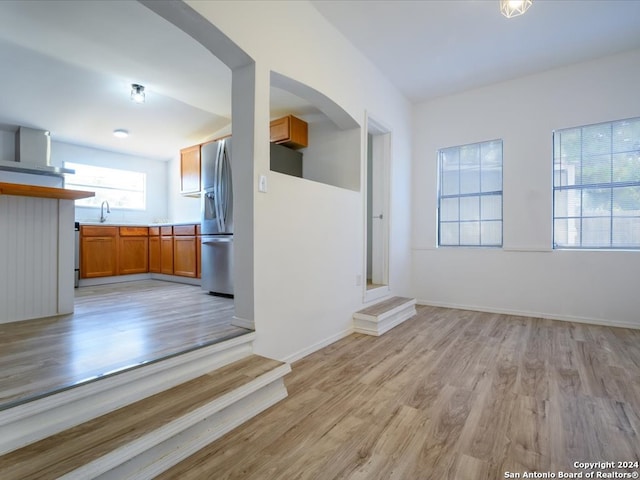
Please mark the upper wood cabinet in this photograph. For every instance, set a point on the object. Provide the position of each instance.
(190, 170)
(289, 131)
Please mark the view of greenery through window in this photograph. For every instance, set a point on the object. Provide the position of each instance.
(470, 195)
(121, 188)
(597, 186)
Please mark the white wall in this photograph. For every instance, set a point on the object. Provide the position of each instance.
(156, 171)
(181, 209)
(309, 237)
(526, 276)
(333, 156)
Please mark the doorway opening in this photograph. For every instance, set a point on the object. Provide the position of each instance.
(377, 210)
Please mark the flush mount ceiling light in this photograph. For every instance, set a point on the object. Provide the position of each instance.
(137, 93)
(513, 8)
(120, 133)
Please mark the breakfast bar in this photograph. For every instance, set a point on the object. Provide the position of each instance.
(36, 251)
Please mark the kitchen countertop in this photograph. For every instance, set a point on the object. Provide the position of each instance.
(21, 190)
(136, 224)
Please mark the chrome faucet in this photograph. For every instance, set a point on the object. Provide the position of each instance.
(102, 216)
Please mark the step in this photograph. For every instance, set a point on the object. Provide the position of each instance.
(383, 316)
(29, 422)
(145, 438)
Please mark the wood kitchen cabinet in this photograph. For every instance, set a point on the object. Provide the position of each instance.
(166, 250)
(185, 247)
(190, 171)
(289, 131)
(154, 250)
(133, 250)
(98, 251)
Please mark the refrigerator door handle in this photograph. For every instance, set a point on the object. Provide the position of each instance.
(217, 240)
(218, 186)
(225, 186)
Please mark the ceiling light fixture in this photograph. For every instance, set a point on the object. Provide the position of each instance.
(137, 93)
(513, 8)
(120, 133)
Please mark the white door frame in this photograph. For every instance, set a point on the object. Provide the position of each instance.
(381, 161)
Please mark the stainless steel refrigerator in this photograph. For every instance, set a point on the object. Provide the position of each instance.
(217, 218)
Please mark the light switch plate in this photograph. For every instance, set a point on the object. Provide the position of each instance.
(262, 184)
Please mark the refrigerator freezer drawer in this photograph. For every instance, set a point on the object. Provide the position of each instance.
(217, 264)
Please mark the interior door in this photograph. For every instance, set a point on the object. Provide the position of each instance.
(377, 211)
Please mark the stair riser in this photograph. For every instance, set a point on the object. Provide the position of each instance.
(376, 326)
(163, 456)
(39, 419)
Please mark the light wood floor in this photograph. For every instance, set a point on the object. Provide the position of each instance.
(114, 327)
(449, 394)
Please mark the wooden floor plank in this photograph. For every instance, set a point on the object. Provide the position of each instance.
(113, 327)
(61, 453)
(447, 394)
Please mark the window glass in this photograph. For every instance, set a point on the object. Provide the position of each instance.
(121, 188)
(470, 195)
(596, 182)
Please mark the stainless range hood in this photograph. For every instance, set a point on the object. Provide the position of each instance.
(33, 154)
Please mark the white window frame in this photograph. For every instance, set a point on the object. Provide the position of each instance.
(481, 194)
(570, 198)
(114, 185)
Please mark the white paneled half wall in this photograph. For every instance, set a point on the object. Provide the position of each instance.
(36, 257)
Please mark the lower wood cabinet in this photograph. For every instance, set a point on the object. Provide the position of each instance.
(98, 252)
(166, 255)
(184, 256)
(133, 250)
(109, 250)
(155, 264)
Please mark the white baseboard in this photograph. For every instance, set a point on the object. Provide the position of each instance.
(175, 279)
(526, 313)
(91, 282)
(317, 346)
(243, 323)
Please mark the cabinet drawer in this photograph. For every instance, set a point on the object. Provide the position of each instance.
(97, 231)
(154, 231)
(166, 231)
(184, 230)
(134, 231)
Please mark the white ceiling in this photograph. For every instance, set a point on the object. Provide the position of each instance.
(432, 48)
(67, 65)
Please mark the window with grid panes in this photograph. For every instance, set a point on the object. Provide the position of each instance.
(596, 186)
(470, 195)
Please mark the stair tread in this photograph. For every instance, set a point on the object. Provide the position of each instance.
(68, 450)
(385, 306)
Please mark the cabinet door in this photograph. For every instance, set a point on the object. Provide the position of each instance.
(133, 255)
(154, 255)
(184, 256)
(166, 255)
(279, 130)
(99, 257)
(289, 131)
(190, 170)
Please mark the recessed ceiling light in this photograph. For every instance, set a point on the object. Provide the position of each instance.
(120, 133)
